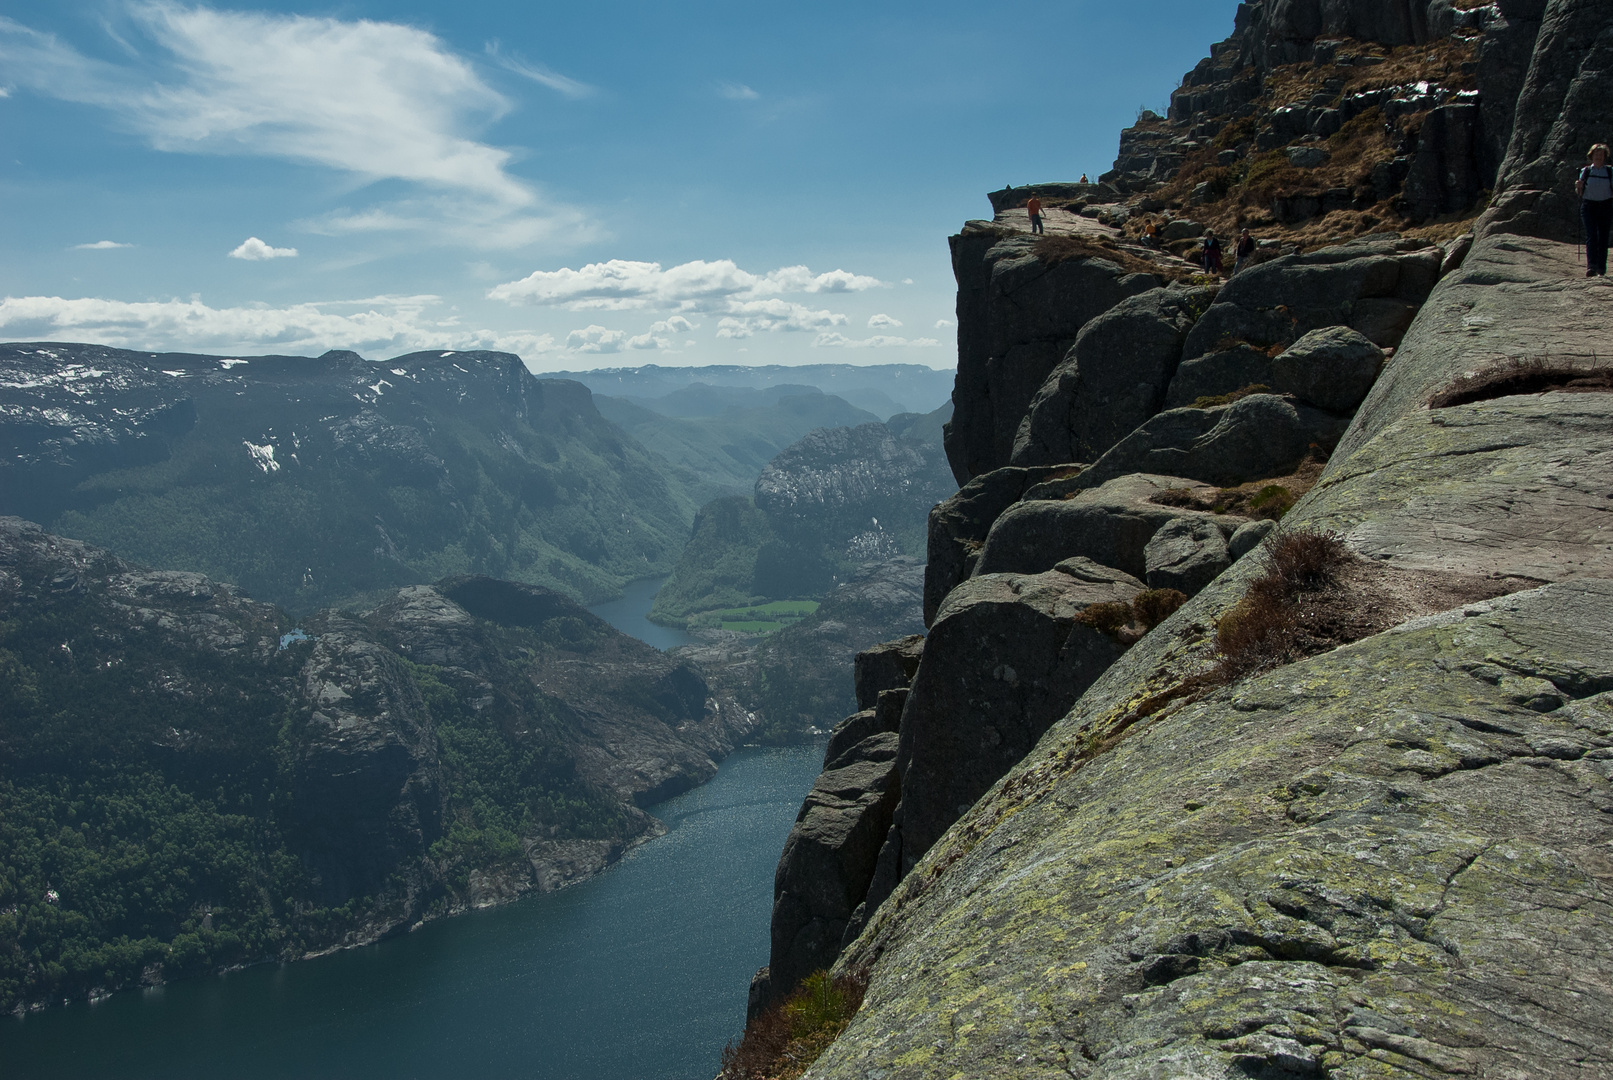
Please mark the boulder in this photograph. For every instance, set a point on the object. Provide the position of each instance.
(887, 666)
(1249, 536)
(1276, 302)
(1222, 371)
(1017, 317)
(828, 861)
(1110, 525)
(1113, 378)
(1186, 554)
(958, 527)
(885, 715)
(1255, 437)
(1332, 368)
(1005, 658)
(1307, 157)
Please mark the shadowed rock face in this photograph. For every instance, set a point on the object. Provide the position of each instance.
(1017, 317)
(1113, 378)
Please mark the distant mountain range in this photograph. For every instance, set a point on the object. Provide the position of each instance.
(880, 389)
(312, 482)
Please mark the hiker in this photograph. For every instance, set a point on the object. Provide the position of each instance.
(1595, 190)
(1244, 250)
(1084, 179)
(1211, 253)
(1034, 209)
(1151, 235)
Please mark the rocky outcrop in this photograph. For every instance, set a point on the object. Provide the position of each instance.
(1373, 285)
(959, 525)
(1257, 436)
(839, 484)
(1113, 378)
(1111, 525)
(1018, 314)
(1301, 873)
(1332, 369)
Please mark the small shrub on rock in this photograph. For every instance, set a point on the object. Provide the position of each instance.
(1263, 630)
(1128, 621)
(1526, 376)
(783, 1042)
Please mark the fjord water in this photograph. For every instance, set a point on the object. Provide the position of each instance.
(637, 974)
(630, 615)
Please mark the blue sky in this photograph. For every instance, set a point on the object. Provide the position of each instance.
(586, 185)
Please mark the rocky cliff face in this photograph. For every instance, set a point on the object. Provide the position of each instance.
(331, 780)
(1344, 811)
(315, 481)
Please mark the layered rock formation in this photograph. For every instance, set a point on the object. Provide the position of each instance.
(1379, 847)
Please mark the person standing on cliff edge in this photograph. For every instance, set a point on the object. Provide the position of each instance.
(1595, 190)
(1034, 209)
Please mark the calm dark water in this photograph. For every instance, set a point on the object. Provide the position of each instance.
(638, 974)
(627, 615)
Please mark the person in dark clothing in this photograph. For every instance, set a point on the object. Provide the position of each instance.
(1212, 254)
(1595, 190)
(1241, 253)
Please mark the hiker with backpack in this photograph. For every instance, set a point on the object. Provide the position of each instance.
(1595, 190)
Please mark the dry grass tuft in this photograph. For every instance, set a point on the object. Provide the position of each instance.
(784, 1041)
(1210, 401)
(1268, 627)
(1128, 621)
(1271, 498)
(1053, 250)
(1527, 376)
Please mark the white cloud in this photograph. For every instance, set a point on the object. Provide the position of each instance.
(596, 339)
(875, 322)
(648, 341)
(834, 340)
(539, 74)
(677, 324)
(378, 100)
(748, 317)
(100, 245)
(692, 286)
(737, 92)
(254, 250)
(384, 324)
(944, 324)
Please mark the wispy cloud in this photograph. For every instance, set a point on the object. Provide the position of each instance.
(100, 245)
(944, 324)
(378, 100)
(737, 92)
(695, 286)
(254, 250)
(538, 73)
(380, 324)
(878, 341)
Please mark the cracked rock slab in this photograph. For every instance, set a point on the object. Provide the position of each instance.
(1394, 859)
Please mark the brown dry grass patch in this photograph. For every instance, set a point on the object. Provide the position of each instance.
(1242, 193)
(1525, 376)
(1128, 620)
(1053, 250)
(1270, 498)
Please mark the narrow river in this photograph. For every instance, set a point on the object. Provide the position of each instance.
(637, 974)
